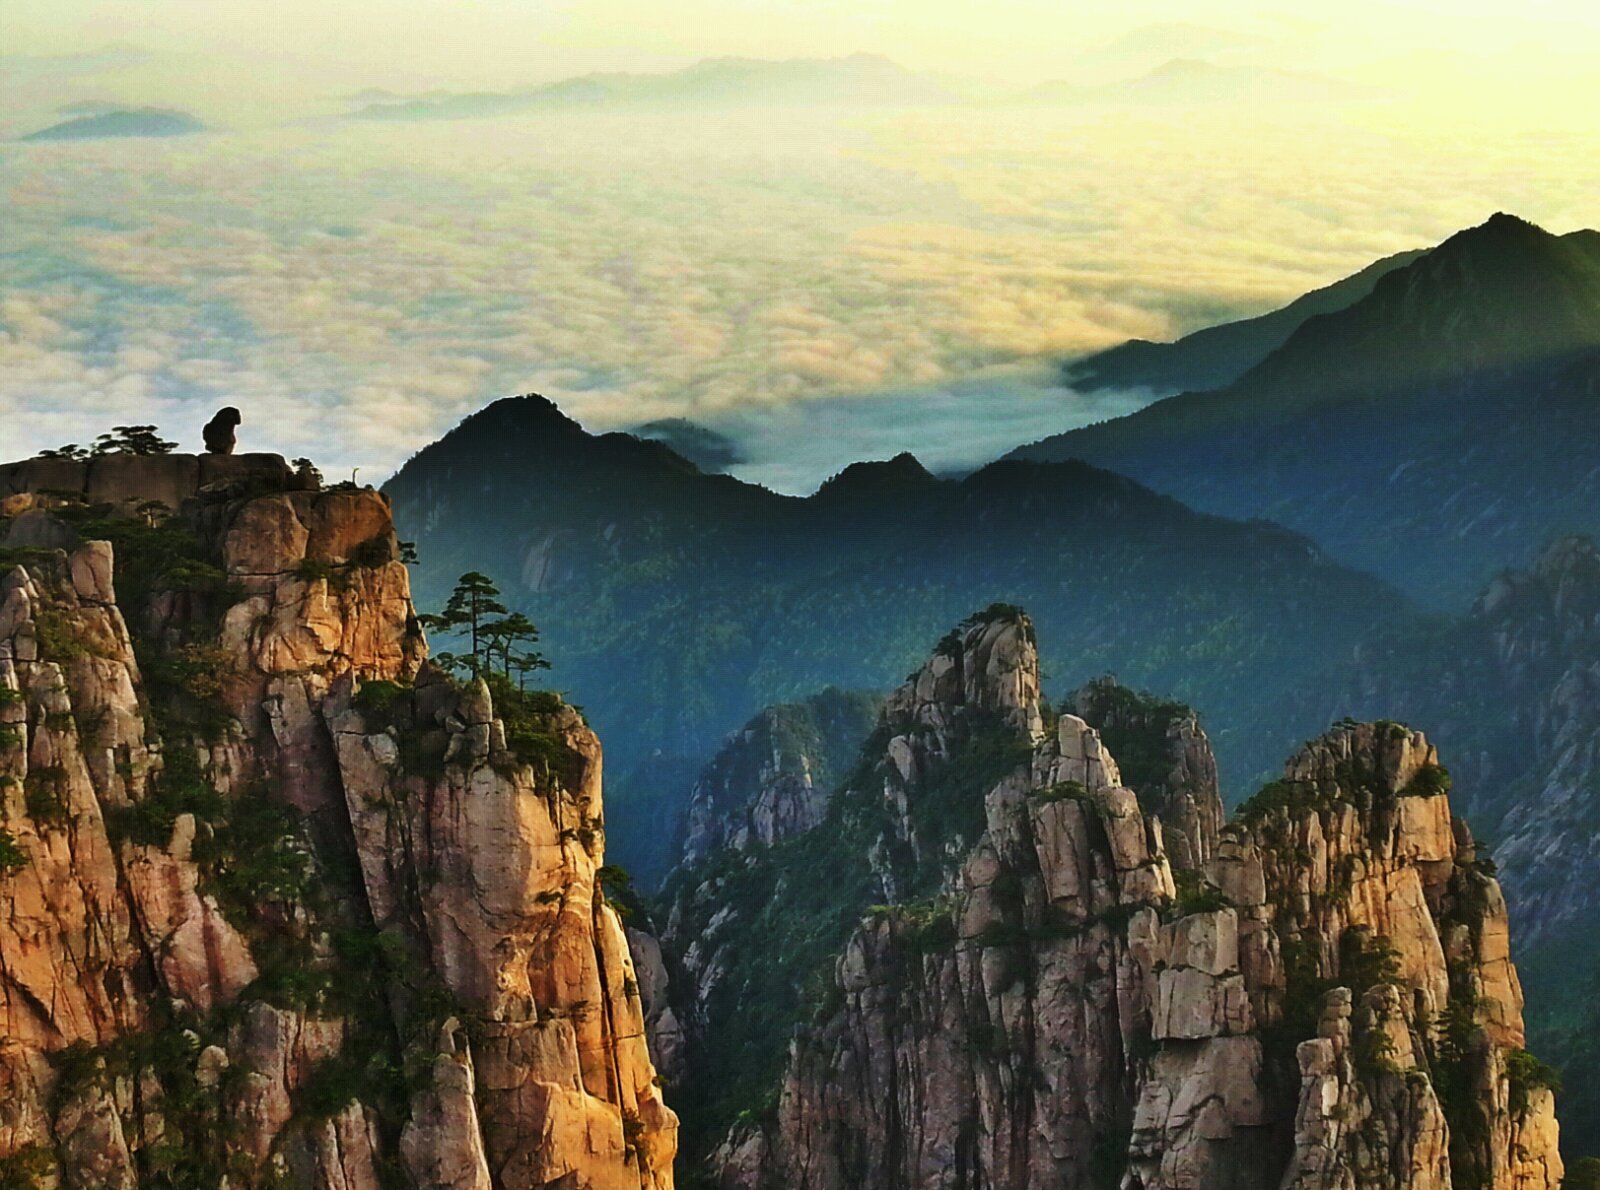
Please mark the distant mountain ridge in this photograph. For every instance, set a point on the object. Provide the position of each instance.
(682, 603)
(856, 80)
(1218, 355)
(869, 79)
(1196, 80)
(133, 122)
(1433, 431)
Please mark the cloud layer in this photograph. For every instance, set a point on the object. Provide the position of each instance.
(357, 289)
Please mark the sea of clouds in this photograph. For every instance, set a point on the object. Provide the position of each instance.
(821, 285)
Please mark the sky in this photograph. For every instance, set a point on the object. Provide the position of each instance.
(825, 283)
(503, 42)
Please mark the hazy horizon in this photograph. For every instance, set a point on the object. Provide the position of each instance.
(847, 276)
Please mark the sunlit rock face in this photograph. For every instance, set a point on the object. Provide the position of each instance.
(249, 932)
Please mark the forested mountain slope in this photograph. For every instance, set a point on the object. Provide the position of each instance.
(1440, 428)
(679, 604)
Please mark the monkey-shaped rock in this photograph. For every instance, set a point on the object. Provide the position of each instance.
(219, 434)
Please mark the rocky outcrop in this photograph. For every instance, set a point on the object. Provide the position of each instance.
(135, 483)
(1166, 759)
(513, 921)
(67, 943)
(771, 780)
(982, 1034)
(1353, 873)
(250, 933)
(663, 1013)
(1545, 629)
(1511, 692)
(1325, 1000)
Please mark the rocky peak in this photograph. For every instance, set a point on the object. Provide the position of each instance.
(869, 481)
(1563, 583)
(1166, 758)
(987, 666)
(772, 779)
(1569, 568)
(1502, 227)
(1492, 298)
(517, 431)
(1364, 756)
(1327, 1001)
(750, 927)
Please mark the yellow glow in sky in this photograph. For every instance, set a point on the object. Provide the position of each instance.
(506, 42)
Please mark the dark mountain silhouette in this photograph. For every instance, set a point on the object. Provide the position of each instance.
(1219, 355)
(1435, 430)
(122, 123)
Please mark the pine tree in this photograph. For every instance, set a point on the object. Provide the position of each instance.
(504, 636)
(71, 451)
(469, 607)
(133, 440)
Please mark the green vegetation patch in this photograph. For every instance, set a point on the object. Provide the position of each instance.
(44, 796)
(1196, 894)
(1526, 1074)
(1133, 726)
(1431, 780)
(1063, 791)
(27, 1169)
(155, 558)
(59, 637)
(194, 1147)
(12, 858)
(180, 788)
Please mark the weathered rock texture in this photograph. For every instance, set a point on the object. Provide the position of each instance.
(488, 868)
(1511, 693)
(249, 934)
(1545, 628)
(131, 481)
(1327, 1001)
(1166, 760)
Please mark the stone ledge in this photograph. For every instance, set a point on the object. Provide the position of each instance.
(136, 479)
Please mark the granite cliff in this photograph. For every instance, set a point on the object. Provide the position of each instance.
(280, 902)
(1009, 981)
(1512, 691)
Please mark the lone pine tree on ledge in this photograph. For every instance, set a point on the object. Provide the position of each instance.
(470, 606)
